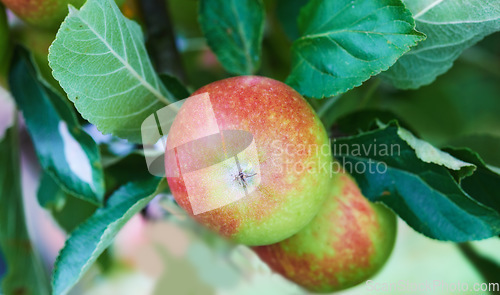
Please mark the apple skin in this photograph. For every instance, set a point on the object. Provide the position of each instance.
(286, 199)
(347, 242)
(46, 14)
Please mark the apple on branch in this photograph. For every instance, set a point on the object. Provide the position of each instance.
(246, 157)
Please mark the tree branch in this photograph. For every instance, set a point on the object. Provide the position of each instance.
(160, 40)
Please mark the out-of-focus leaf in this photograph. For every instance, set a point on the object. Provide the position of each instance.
(461, 103)
(366, 119)
(234, 30)
(129, 168)
(50, 195)
(4, 39)
(345, 42)
(486, 145)
(25, 273)
(451, 27)
(6, 111)
(287, 12)
(64, 150)
(3, 267)
(69, 212)
(423, 194)
(100, 60)
(92, 237)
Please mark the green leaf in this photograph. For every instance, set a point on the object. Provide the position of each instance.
(345, 42)
(484, 184)
(486, 145)
(425, 195)
(451, 27)
(49, 194)
(234, 31)
(64, 150)
(430, 154)
(4, 42)
(461, 103)
(175, 86)
(25, 273)
(92, 237)
(287, 12)
(68, 211)
(6, 111)
(366, 119)
(100, 60)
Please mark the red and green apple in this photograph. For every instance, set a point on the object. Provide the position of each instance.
(247, 159)
(347, 242)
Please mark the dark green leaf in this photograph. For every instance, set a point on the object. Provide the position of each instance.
(129, 168)
(92, 237)
(287, 12)
(25, 273)
(3, 267)
(459, 104)
(175, 86)
(345, 42)
(64, 150)
(365, 119)
(234, 31)
(484, 184)
(486, 145)
(424, 194)
(451, 27)
(50, 195)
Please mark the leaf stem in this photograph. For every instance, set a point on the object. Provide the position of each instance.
(323, 109)
(369, 92)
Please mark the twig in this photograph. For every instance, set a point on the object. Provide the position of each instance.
(161, 38)
(488, 269)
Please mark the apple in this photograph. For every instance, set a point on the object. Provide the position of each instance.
(43, 13)
(347, 242)
(247, 157)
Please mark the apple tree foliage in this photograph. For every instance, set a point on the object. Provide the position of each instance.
(352, 60)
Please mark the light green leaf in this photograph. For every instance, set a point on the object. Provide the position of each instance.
(234, 31)
(64, 150)
(451, 26)
(345, 42)
(100, 60)
(93, 236)
(430, 154)
(25, 273)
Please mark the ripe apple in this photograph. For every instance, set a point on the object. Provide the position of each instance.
(43, 13)
(244, 158)
(347, 242)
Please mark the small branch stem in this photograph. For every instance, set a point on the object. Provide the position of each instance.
(161, 38)
(488, 269)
